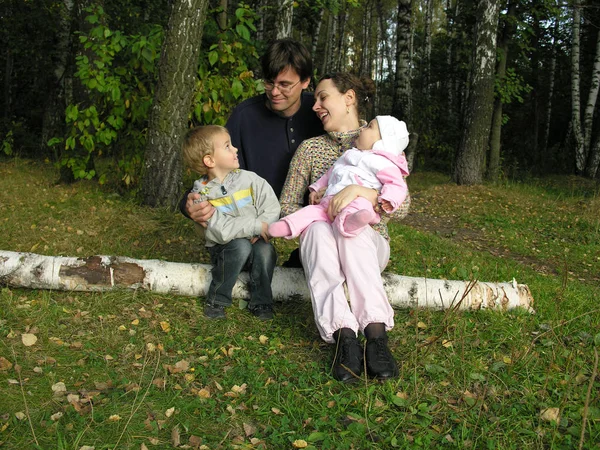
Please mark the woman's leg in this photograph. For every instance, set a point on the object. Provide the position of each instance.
(333, 316)
(321, 262)
(362, 258)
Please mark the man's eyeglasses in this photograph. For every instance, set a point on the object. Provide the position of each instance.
(284, 88)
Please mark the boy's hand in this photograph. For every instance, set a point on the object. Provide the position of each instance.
(264, 233)
(199, 212)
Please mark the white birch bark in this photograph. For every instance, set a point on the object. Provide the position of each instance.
(285, 16)
(588, 117)
(580, 155)
(551, 86)
(107, 273)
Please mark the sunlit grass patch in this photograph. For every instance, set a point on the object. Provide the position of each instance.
(139, 368)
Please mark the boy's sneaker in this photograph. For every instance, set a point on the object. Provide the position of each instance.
(262, 312)
(213, 311)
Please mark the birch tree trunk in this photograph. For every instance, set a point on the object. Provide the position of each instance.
(285, 16)
(496, 133)
(401, 104)
(161, 184)
(551, 79)
(107, 273)
(592, 161)
(580, 155)
(478, 113)
(315, 38)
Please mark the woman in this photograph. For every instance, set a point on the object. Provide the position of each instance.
(330, 259)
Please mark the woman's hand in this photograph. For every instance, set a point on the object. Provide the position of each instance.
(347, 195)
(315, 197)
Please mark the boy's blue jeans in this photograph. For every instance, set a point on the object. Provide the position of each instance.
(230, 259)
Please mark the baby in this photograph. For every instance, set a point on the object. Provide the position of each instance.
(376, 162)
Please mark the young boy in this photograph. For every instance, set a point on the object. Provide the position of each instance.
(236, 235)
(376, 162)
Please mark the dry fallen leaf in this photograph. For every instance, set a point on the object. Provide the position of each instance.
(59, 388)
(263, 339)
(195, 441)
(20, 415)
(447, 343)
(204, 393)
(166, 326)
(276, 410)
(249, 429)
(239, 389)
(169, 412)
(5, 364)
(175, 437)
(55, 417)
(300, 443)
(550, 414)
(114, 418)
(87, 447)
(28, 339)
(135, 322)
(421, 325)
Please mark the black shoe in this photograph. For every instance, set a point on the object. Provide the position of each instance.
(262, 312)
(380, 361)
(294, 260)
(214, 311)
(348, 362)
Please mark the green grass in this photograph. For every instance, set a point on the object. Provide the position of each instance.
(483, 384)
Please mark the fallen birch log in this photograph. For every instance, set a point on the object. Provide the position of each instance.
(106, 273)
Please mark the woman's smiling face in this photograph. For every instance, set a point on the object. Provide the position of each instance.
(331, 107)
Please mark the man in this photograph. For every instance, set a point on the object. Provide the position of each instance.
(267, 129)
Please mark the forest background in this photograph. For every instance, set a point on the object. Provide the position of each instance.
(492, 89)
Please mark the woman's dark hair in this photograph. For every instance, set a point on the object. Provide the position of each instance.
(283, 53)
(364, 87)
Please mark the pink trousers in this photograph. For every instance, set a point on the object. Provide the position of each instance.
(329, 259)
(302, 218)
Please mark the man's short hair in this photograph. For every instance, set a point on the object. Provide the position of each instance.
(198, 143)
(283, 53)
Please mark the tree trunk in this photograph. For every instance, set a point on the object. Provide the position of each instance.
(592, 162)
(107, 273)
(168, 122)
(478, 113)
(496, 133)
(315, 38)
(552, 77)
(53, 121)
(285, 16)
(427, 47)
(222, 17)
(594, 159)
(401, 104)
(580, 155)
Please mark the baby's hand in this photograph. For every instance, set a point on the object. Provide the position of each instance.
(265, 232)
(387, 206)
(315, 197)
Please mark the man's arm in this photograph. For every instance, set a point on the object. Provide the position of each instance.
(198, 212)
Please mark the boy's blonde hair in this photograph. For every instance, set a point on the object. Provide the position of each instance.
(198, 143)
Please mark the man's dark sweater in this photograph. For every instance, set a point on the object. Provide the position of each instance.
(266, 141)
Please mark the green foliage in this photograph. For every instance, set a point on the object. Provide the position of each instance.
(7, 143)
(118, 73)
(511, 87)
(224, 79)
